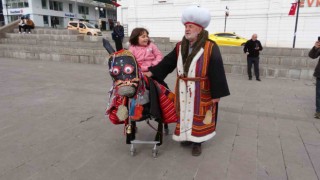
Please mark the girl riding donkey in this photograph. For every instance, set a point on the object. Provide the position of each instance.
(135, 97)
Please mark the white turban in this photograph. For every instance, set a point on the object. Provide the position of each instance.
(196, 15)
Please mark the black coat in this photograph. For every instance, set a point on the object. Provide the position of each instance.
(314, 53)
(250, 47)
(216, 74)
(118, 32)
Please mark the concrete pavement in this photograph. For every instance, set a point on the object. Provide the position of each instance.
(52, 127)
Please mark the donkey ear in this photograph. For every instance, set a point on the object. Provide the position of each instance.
(107, 46)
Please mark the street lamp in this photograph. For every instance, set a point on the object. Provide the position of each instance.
(225, 18)
(97, 9)
(7, 6)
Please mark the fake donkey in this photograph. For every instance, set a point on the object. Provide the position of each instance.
(135, 97)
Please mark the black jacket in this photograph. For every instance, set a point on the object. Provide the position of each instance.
(314, 53)
(118, 32)
(218, 82)
(250, 47)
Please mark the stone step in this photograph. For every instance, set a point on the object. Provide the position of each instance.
(75, 44)
(268, 51)
(50, 31)
(22, 43)
(299, 62)
(156, 40)
(55, 49)
(45, 37)
(272, 71)
(53, 56)
(87, 41)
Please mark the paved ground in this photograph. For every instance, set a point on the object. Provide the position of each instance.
(52, 127)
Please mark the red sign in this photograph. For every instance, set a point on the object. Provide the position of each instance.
(310, 3)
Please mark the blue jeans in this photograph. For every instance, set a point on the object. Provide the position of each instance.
(318, 95)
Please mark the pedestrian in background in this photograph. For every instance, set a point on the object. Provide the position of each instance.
(314, 53)
(22, 23)
(54, 22)
(118, 35)
(29, 25)
(252, 48)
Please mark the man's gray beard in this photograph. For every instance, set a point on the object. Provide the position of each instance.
(191, 36)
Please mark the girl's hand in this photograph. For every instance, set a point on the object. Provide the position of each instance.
(148, 74)
(215, 100)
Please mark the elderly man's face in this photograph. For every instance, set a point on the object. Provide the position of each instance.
(191, 32)
(254, 37)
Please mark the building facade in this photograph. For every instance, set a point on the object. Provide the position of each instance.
(42, 12)
(1, 14)
(268, 18)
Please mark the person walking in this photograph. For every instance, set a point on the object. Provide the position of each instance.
(252, 49)
(201, 80)
(314, 53)
(118, 35)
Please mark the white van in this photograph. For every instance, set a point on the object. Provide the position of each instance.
(84, 28)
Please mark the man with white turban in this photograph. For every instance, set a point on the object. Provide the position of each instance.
(201, 80)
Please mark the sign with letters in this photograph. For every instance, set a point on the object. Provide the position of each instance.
(309, 3)
(69, 15)
(16, 11)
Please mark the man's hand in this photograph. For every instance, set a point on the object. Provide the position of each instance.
(148, 74)
(317, 45)
(215, 100)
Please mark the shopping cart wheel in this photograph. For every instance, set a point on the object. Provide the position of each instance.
(132, 150)
(155, 151)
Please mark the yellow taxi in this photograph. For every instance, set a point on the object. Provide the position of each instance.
(84, 28)
(227, 39)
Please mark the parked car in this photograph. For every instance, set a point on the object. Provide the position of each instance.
(228, 39)
(84, 28)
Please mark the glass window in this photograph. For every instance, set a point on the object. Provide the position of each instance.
(220, 35)
(45, 20)
(74, 24)
(81, 25)
(60, 6)
(14, 5)
(17, 4)
(89, 25)
(70, 8)
(83, 10)
(55, 5)
(51, 5)
(20, 4)
(44, 4)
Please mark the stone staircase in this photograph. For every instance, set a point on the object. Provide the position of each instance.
(61, 45)
(53, 45)
(274, 62)
(68, 46)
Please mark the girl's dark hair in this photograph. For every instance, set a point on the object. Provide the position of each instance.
(134, 37)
